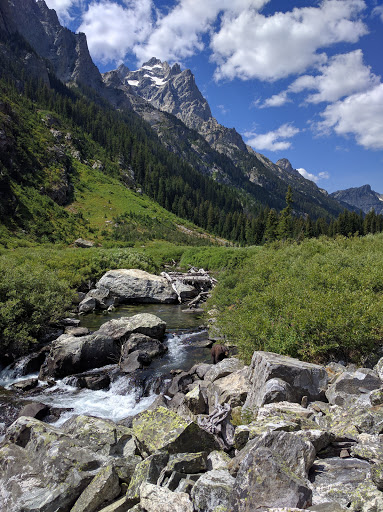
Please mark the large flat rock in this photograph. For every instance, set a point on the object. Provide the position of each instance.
(133, 285)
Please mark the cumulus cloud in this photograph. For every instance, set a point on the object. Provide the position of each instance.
(179, 34)
(360, 115)
(344, 75)
(62, 7)
(274, 140)
(251, 45)
(277, 100)
(112, 29)
(313, 177)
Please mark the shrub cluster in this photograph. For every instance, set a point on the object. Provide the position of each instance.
(317, 301)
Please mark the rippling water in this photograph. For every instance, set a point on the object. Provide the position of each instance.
(126, 395)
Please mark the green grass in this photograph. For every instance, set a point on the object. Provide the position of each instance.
(315, 301)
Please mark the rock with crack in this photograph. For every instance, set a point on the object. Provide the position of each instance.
(351, 387)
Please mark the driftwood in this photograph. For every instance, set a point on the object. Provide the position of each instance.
(218, 424)
(198, 278)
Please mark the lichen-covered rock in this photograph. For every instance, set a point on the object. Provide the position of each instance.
(320, 439)
(266, 479)
(163, 429)
(305, 379)
(336, 479)
(350, 387)
(187, 463)
(136, 341)
(147, 471)
(104, 487)
(212, 491)
(159, 499)
(137, 286)
(352, 421)
(43, 469)
(217, 460)
(101, 435)
(122, 505)
(223, 368)
(245, 433)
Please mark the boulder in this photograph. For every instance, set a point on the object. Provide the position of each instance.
(265, 478)
(232, 389)
(185, 292)
(303, 379)
(135, 361)
(132, 285)
(100, 435)
(195, 400)
(102, 296)
(25, 385)
(223, 368)
(42, 469)
(75, 355)
(147, 471)
(217, 460)
(84, 244)
(153, 347)
(350, 387)
(163, 429)
(179, 384)
(104, 487)
(34, 410)
(212, 491)
(158, 499)
(122, 505)
(144, 323)
(88, 305)
(342, 481)
(77, 331)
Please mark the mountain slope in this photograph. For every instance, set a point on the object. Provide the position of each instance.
(174, 91)
(362, 198)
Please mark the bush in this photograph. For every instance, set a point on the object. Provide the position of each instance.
(316, 301)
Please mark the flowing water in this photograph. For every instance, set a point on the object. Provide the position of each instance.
(127, 395)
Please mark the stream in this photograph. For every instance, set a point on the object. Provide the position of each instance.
(128, 394)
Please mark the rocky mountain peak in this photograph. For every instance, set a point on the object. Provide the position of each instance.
(362, 197)
(169, 89)
(285, 164)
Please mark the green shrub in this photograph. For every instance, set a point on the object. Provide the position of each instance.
(318, 300)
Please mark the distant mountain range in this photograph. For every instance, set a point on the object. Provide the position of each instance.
(362, 198)
(169, 100)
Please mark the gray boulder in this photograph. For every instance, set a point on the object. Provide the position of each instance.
(79, 354)
(103, 488)
(42, 469)
(159, 499)
(132, 285)
(144, 323)
(147, 471)
(350, 387)
(163, 429)
(88, 305)
(84, 244)
(232, 389)
(212, 491)
(303, 379)
(265, 478)
(223, 368)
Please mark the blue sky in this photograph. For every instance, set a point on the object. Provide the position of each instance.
(298, 79)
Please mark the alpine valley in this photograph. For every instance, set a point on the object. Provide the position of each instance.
(185, 326)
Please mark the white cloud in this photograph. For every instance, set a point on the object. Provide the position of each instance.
(251, 45)
(360, 115)
(313, 177)
(344, 75)
(378, 11)
(274, 140)
(277, 100)
(62, 7)
(112, 30)
(179, 34)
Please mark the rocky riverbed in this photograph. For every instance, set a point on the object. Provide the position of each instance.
(277, 435)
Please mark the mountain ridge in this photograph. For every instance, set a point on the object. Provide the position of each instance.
(363, 198)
